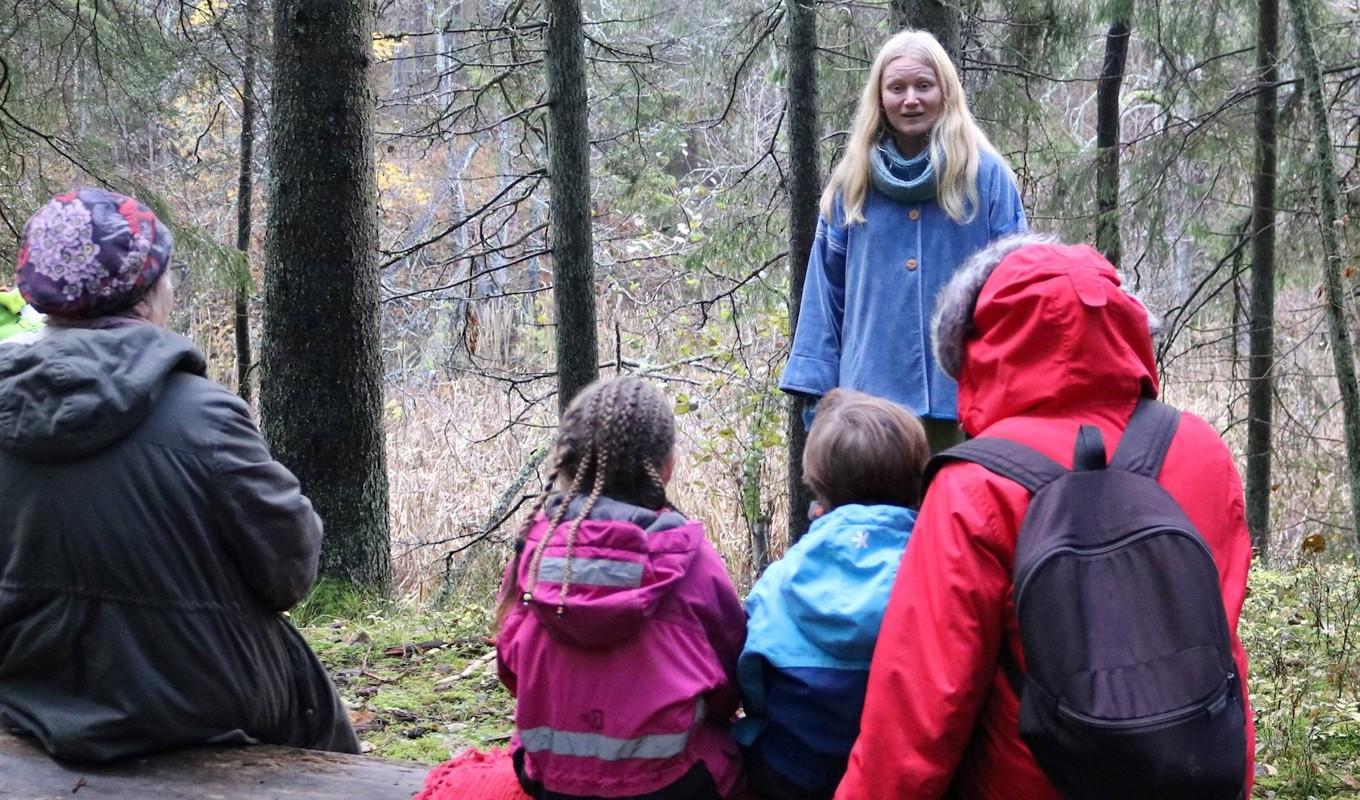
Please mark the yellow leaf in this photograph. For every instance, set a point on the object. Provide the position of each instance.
(1349, 272)
(1313, 544)
(384, 47)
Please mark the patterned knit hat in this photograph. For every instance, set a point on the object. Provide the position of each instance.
(91, 253)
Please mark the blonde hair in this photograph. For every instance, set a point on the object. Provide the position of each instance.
(956, 141)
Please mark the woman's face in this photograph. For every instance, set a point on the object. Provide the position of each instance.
(912, 100)
(156, 306)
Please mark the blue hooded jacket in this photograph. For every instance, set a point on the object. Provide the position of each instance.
(870, 293)
(812, 621)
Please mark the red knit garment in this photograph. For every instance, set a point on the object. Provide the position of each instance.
(474, 775)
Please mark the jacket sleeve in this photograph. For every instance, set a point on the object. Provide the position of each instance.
(1006, 212)
(1221, 519)
(936, 657)
(267, 525)
(759, 624)
(724, 624)
(1233, 583)
(505, 635)
(814, 365)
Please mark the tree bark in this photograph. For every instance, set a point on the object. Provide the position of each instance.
(244, 188)
(321, 386)
(804, 188)
(1261, 381)
(259, 772)
(1107, 140)
(569, 185)
(1330, 222)
(941, 19)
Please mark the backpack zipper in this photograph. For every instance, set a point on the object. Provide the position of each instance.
(1211, 706)
(1123, 541)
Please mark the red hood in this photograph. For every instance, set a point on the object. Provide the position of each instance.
(1053, 331)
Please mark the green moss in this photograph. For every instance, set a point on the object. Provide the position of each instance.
(430, 749)
(401, 672)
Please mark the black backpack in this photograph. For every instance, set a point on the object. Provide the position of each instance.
(1130, 689)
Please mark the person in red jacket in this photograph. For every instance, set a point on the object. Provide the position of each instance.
(1041, 340)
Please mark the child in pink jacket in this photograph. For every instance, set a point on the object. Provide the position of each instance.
(619, 626)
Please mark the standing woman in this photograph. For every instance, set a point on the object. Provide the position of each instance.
(919, 189)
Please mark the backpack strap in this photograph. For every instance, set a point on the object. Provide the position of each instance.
(1024, 465)
(1089, 453)
(1142, 448)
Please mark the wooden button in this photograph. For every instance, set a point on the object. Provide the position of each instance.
(913, 214)
(911, 263)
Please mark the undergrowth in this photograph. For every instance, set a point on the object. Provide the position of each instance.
(1301, 628)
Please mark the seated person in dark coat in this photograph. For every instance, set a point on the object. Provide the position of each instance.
(148, 541)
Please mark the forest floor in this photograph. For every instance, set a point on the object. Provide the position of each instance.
(421, 684)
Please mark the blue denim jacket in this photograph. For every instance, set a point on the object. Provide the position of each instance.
(870, 293)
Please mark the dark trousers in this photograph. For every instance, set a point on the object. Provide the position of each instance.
(697, 784)
(772, 785)
(942, 434)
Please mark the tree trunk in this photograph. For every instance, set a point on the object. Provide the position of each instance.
(752, 507)
(1330, 223)
(1261, 381)
(804, 187)
(1107, 140)
(244, 188)
(321, 386)
(569, 178)
(940, 18)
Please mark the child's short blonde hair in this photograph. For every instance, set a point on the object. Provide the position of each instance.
(866, 450)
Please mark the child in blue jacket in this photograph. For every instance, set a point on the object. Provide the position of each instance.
(813, 617)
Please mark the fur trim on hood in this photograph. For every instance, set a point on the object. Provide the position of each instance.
(952, 324)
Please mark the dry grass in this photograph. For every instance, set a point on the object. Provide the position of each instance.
(446, 476)
(452, 452)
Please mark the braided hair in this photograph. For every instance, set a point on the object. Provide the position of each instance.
(613, 441)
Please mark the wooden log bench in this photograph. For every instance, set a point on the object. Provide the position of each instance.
(207, 773)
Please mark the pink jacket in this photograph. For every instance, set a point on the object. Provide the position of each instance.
(635, 681)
